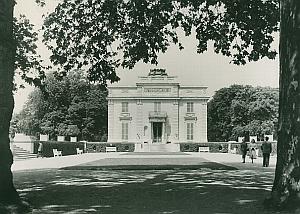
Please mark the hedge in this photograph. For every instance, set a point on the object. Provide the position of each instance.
(67, 148)
(221, 147)
(100, 147)
(213, 147)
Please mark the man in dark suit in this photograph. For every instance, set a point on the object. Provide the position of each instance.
(266, 149)
(244, 149)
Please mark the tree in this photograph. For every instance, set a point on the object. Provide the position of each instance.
(28, 121)
(72, 107)
(72, 130)
(11, 55)
(285, 191)
(241, 111)
(17, 55)
(219, 119)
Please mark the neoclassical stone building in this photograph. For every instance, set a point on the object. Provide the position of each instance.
(157, 110)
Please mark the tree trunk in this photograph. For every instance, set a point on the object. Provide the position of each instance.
(8, 193)
(286, 187)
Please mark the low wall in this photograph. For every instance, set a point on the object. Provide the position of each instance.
(100, 147)
(69, 148)
(26, 145)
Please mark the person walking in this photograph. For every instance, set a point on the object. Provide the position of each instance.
(266, 149)
(252, 149)
(40, 150)
(244, 149)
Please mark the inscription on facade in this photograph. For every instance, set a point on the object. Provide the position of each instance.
(157, 90)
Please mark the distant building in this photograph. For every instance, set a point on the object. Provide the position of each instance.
(157, 110)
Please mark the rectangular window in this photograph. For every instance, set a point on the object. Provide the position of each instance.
(124, 131)
(157, 106)
(190, 107)
(124, 107)
(190, 131)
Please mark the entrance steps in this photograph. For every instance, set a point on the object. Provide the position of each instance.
(157, 147)
(21, 154)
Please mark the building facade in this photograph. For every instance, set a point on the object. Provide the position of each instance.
(157, 110)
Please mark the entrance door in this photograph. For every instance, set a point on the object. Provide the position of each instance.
(157, 132)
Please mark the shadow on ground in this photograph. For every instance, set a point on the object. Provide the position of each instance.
(150, 164)
(149, 191)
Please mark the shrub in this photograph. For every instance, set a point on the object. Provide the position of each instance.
(100, 147)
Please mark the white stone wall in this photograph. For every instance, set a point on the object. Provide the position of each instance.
(139, 127)
(186, 91)
(111, 121)
(202, 118)
(200, 124)
(147, 106)
(138, 119)
(123, 91)
(116, 118)
(173, 121)
(141, 100)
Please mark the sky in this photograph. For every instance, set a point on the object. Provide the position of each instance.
(207, 69)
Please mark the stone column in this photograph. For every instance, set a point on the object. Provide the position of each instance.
(163, 132)
(139, 121)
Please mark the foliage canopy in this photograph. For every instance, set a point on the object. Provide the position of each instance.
(28, 63)
(242, 111)
(73, 107)
(93, 33)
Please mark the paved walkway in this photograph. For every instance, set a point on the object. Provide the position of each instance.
(123, 158)
(175, 191)
(236, 161)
